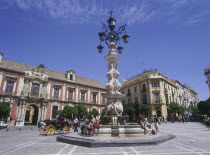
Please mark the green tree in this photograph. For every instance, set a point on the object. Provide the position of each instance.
(174, 108)
(137, 110)
(204, 107)
(181, 109)
(144, 109)
(68, 111)
(130, 110)
(94, 112)
(4, 111)
(82, 110)
(194, 111)
(41, 66)
(103, 112)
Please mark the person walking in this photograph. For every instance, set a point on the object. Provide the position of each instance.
(165, 119)
(183, 118)
(156, 124)
(208, 122)
(172, 119)
(75, 124)
(159, 120)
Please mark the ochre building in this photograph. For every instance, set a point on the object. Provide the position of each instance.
(156, 90)
(37, 93)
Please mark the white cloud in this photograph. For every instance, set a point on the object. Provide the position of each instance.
(197, 18)
(84, 11)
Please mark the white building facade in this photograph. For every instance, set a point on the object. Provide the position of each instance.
(207, 74)
(187, 96)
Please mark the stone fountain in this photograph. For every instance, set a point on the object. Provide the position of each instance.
(113, 131)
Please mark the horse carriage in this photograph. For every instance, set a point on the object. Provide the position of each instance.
(49, 127)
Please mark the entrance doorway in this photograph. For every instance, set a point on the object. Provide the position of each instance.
(31, 115)
(158, 111)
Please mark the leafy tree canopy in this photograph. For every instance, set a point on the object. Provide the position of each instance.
(144, 108)
(174, 108)
(4, 110)
(69, 111)
(82, 110)
(103, 112)
(94, 112)
(129, 109)
(204, 107)
(194, 111)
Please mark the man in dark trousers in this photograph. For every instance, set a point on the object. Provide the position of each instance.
(75, 124)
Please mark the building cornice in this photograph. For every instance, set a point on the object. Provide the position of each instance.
(53, 79)
(75, 83)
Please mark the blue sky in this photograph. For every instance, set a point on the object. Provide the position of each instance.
(170, 35)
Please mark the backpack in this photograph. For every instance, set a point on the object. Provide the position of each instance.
(153, 132)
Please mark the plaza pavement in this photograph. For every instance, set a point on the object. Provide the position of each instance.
(191, 138)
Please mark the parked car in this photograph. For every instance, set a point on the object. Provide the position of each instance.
(3, 125)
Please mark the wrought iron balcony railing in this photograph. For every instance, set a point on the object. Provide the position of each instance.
(34, 94)
(8, 93)
(69, 99)
(56, 98)
(143, 90)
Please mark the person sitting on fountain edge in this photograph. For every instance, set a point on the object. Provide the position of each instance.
(141, 122)
(85, 123)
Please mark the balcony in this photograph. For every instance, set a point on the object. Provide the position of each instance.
(82, 101)
(128, 94)
(34, 94)
(165, 90)
(8, 93)
(55, 98)
(143, 90)
(70, 99)
(44, 95)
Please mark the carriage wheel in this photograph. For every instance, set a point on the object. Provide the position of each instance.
(41, 130)
(65, 129)
(50, 130)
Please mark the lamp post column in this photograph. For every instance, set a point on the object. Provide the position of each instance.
(114, 97)
(113, 38)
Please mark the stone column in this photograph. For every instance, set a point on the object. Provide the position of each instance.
(23, 112)
(19, 111)
(45, 110)
(39, 113)
(42, 112)
(149, 92)
(162, 100)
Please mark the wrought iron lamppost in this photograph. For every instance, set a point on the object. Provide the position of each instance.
(109, 35)
(113, 38)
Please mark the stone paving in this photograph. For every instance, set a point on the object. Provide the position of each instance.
(191, 138)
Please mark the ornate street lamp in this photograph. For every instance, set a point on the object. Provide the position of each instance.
(110, 35)
(120, 48)
(102, 36)
(113, 38)
(100, 49)
(125, 38)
